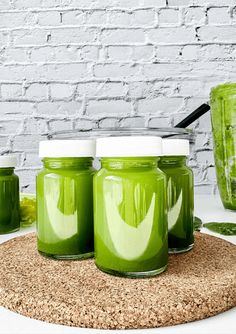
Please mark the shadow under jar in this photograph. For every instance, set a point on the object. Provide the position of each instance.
(180, 194)
(9, 196)
(65, 199)
(130, 220)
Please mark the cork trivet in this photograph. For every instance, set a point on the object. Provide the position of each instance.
(198, 284)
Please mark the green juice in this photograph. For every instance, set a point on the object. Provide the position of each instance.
(130, 217)
(65, 208)
(180, 203)
(223, 118)
(9, 201)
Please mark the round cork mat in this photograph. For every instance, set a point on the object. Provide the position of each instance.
(198, 284)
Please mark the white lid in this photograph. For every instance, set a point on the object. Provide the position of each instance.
(66, 148)
(7, 161)
(175, 147)
(129, 146)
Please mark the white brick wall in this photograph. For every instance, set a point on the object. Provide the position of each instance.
(69, 64)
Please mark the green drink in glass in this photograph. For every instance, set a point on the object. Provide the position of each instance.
(179, 194)
(65, 199)
(223, 119)
(130, 222)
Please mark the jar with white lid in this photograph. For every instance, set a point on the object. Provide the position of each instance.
(180, 194)
(130, 222)
(9, 195)
(65, 199)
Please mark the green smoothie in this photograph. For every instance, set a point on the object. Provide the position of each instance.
(9, 200)
(130, 217)
(65, 208)
(180, 201)
(223, 117)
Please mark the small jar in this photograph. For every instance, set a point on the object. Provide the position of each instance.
(179, 194)
(9, 196)
(130, 222)
(65, 199)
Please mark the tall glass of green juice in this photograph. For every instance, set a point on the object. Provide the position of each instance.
(65, 199)
(223, 119)
(179, 194)
(130, 222)
(9, 195)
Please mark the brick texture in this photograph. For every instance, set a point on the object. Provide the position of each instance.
(68, 64)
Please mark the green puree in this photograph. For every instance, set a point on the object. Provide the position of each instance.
(179, 202)
(223, 116)
(222, 228)
(130, 217)
(65, 208)
(9, 201)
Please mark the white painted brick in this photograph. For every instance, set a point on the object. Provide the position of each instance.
(159, 122)
(141, 53)
(151, 89)
(116, 70)
(43, 54)
(51, 18)
(219, 15)
(35, 126)
(60, 125)
(30, 36)
(169, 70)
(190, 88)
(172, 35)
(159, 105)
(191, 52)
(31, 158)
(11, 91)
(16, 109)
(168, 17)
(132, 122)
(211, 174)
(10, 126)
(89, 53)
(144, 17)
(3, 37)
(75, 17)
(3, 142)
(85, 124)
(108, 107)
(179, 2)
(16, 55)
(122, 36)
(5, 4)
(205, 157)
(61, 91)
(168, 52)
(194, 16)
(16, 19)
(52, 109)
(25, 4)
(73, 35)
(102, 89)
(119, 53)
(36, 92)
(109, 122)
(153, 3)
(98, 17)
(217, 34)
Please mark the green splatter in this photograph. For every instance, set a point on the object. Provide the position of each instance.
(197, 224)
(27, 210)
(221, 228)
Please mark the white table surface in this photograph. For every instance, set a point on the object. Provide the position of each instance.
(208, 208)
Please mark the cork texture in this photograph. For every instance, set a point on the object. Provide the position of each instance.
(197, 285)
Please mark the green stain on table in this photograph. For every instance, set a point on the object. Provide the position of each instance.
(224, 228)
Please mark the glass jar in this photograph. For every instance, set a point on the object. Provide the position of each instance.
(9, 196)
(180, 194)
(223, 119)
(65, 199)
(130, 223)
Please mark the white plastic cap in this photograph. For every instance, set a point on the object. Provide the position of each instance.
(67, 148)
(129, 146)
(7, 161)
(175, 147)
